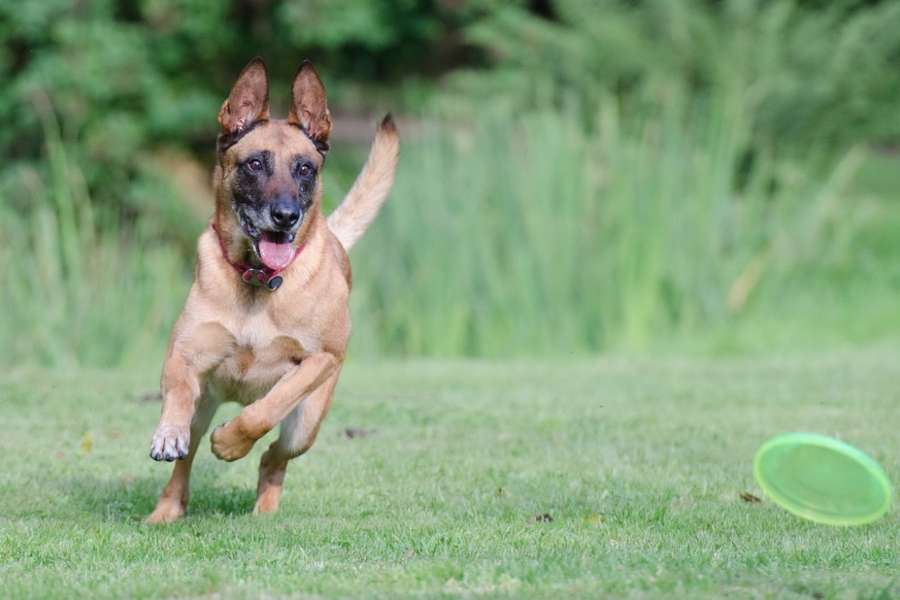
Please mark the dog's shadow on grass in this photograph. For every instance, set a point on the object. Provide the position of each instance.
(132, 499)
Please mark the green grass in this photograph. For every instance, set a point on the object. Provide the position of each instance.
(639, 463)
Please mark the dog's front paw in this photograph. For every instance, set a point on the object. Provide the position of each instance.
(229, 442)
(170, 442)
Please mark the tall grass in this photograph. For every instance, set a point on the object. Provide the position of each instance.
(81, 287)
(512, 235)
(524, 236)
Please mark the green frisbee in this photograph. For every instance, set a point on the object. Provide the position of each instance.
(822, 479)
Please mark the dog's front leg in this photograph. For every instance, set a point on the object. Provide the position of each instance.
(180, 391)
(234, 439)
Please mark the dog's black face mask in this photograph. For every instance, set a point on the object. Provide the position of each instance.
(272, 187)
(269, 168)
(266, 206)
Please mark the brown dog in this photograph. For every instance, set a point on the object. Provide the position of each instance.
(266, 322)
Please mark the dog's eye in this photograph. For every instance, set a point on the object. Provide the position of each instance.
(304, 169)
(254, 165)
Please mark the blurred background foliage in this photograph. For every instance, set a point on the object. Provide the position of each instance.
(576, 177)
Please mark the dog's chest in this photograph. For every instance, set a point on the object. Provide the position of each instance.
(261, 353)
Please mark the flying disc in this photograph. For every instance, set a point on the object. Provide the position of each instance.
(822, 479)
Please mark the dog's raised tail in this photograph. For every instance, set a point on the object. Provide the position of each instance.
(360, 206)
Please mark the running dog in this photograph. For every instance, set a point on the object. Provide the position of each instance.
(266, 322)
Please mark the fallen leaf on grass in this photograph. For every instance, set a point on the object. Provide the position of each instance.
(148, 397)
(357, 432)
(748, 497)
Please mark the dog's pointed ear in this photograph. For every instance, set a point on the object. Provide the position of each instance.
(309, 108)
(248, 101)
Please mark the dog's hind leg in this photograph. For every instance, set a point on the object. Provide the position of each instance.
(173, 501)
(297, 435)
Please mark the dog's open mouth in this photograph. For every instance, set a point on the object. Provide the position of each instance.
(275, 249)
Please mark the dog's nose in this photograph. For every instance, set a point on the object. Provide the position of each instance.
(285, 213)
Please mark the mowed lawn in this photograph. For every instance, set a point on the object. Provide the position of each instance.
(538, 479)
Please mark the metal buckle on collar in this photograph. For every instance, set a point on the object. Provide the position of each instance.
(259, 278)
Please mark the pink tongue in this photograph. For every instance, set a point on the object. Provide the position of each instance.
(275, 256)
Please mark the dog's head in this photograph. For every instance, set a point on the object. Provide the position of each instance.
(267, 174)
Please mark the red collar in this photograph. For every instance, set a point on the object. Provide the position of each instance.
(263, 276)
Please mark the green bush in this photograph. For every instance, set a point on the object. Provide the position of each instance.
(809, 74)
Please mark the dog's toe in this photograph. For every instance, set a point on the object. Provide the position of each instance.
(156, 448)
(181, 447)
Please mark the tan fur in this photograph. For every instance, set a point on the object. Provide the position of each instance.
(248, 100)
(278, 353)
(370, 190)
(309, 109)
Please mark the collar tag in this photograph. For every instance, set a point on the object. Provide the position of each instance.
(254, 277)
(259, 278)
